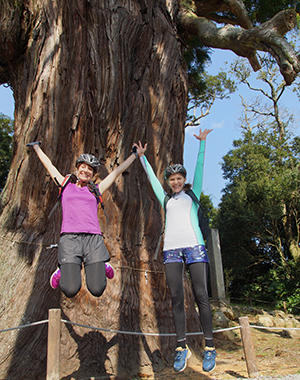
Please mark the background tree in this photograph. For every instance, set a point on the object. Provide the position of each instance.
(203, 96)
(92, 76)
(259, 212)
(6, 131)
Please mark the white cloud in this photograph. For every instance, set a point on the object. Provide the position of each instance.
(190, 131)
(217, 125)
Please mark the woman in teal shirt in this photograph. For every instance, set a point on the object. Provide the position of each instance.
(184, 246)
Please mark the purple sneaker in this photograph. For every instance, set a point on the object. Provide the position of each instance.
(54, 279)
(109, 271)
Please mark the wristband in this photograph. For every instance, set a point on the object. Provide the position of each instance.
(134, 151)
(34, 143)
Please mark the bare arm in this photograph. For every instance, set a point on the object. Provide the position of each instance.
(45, 160)
(110, 179)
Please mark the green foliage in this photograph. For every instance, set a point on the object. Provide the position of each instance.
(6, 132)
(208, 207)
(216, 87)
(263, 175)
(281, 284)
(204, 89)
(285, 286)
(262, 10)
(298, 17)
(259, 215)
(195, 55)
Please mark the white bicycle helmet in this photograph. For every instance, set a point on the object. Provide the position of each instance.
(88, 159)
(173, 169)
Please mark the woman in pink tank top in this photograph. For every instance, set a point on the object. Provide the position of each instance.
(81, 241)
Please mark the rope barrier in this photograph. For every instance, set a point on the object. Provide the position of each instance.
(24, 326)
(119, 331)
(29, 243)
(140, 270)
(117, 267)
(144, 333)
(112, 331)
(275, 328)
(54, 341)
(56, 246)
(253, 300)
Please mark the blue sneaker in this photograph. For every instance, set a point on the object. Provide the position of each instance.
(183, 354)
(209, 359)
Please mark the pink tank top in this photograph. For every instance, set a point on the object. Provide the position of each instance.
(79, 210)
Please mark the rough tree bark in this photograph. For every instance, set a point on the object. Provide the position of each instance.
(89, 76)
(92, 77)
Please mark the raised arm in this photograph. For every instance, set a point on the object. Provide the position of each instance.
(45, 160)
(198, 176)
(110, 179)
(156, 185)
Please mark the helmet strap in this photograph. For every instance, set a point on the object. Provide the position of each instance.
(82, 183)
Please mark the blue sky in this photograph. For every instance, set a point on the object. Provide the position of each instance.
(223, 119)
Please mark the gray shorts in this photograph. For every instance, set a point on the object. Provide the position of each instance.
(81, 248)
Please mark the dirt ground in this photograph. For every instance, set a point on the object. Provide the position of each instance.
(275, 355)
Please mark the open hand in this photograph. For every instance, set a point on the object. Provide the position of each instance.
(140, 149)
(203, 135)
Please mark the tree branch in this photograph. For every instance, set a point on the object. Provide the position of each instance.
(238, 8)
(268, 37)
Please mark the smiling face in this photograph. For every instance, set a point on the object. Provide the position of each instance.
(176, 182)
(85, 173)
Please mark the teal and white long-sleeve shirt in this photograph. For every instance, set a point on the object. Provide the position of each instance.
(181, 227)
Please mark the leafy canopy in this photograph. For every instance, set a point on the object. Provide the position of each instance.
(6, 132)
(259, 214)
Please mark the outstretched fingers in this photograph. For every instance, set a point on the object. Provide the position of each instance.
(140, 148)
(203, 135)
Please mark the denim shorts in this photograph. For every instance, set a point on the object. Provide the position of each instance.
(81, 248)
(188, 255)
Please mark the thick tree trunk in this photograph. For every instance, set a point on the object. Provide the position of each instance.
(94, 77)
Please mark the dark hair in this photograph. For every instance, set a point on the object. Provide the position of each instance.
(187, 186)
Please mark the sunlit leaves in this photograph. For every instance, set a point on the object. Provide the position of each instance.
(6, 131)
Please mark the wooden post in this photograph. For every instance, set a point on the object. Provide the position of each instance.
(216, 268)
(248, 347)
(53, 352)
